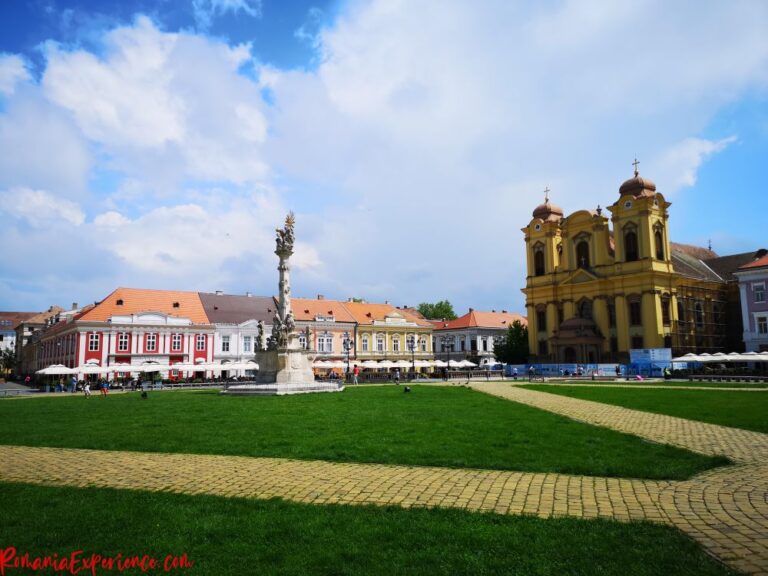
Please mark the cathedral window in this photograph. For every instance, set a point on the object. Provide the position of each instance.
(699, 315)
(635, 313)
(585, 309)
(582, 254)
(541, 320)
(666, 317)
(637, 342)
(658, 238)
(538, 261)
(630, 246)
(611, 315)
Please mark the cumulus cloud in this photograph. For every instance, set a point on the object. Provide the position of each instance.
(39, 208)
(206, 10)
(679, 165)
(13, 69)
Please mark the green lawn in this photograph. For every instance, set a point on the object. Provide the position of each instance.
(737, 409)
(454, 427)
(675, 383)
(235, 536)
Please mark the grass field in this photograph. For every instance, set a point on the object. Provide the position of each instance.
(674, 383)
(233, 537)
(747, 410)
(438, 426)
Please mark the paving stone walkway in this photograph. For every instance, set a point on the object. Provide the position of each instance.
(726, 509)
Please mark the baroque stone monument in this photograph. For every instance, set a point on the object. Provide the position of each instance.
(284, 367)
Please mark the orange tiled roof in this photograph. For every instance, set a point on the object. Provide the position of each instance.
(477, 319)
(307, 309)
(759, 263)
(365, 313)
(136, 300)
(16, 318)
(43, 316)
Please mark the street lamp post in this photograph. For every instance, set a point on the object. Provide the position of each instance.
(348, 344)
(411, 343)
(446, 342)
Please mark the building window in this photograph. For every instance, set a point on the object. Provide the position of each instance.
(759, 290)
(717, 314)
(463, 344)
(225, 343)
(151, 342)
(659, 241)
(396, 343)
(585, 309)
(325, 344)
(538, 262)
(560, 314)
(541, 320)
(614, 345)
(637, 342)
(666, 317)
(543, 348)
(667, 341)
(423, 344)
(365, 344)
(611, 315)
(635, 313)
(680, 311)
(582, 254)
(176, 342)
(93, 342)
(484, 342)
(380, 343)
(122, 342)
(630, 246)
(473, 345)
(247, 342)
(762, 325)
(699, 315)
(200, 342)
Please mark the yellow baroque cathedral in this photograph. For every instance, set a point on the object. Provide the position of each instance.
(596, 289)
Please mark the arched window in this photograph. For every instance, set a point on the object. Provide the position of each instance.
(585, 309)
(658, 238)
(582, 254)
(423, 343)
(538, 262)
(680, 311)
(380, 343)
(698, 311)
(365, 344)
(396, 343)
(666, 316)
(630, 245)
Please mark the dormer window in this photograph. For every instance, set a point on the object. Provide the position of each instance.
(176, 304)
(119, 302)
(582, 254)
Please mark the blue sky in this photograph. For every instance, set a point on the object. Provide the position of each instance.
(159, 143)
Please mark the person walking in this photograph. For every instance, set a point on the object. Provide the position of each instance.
(514, 373)
(104, 388)
(531, 373)
(355, 374)
(87, 389)
(397, 376)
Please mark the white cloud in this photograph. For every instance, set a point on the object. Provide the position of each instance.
(166, 107)
(39, 208)
(677, 167)
(206, 10)
(13, 69)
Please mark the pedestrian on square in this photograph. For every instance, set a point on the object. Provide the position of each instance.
(87, 389)
(355, 374)
(397, 376)
(104, 387)
(531, 373)
(514, 373)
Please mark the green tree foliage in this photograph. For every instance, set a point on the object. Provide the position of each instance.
(512, 348)
(7, 361)
(442, 310)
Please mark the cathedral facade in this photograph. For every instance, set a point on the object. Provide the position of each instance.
(601, 284)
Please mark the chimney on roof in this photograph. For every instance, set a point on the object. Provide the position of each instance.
(320, 297)
(74, 305)
(503, 311)
(493, 311)
(350, 299)
(386, 301)
(248, 295)
(471, 309)
(219, 293)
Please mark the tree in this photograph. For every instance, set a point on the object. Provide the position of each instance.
(7, 361)
(512, 348)
(442, 310)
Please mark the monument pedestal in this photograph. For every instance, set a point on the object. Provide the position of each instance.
(283, 371)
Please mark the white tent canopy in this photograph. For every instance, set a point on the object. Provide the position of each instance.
(56, 369)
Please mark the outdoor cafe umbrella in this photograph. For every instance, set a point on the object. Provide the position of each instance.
(56, 370)
(386, 364)
(439, 364)
(402, 364)
(455, 363)
(92, 369)
(468, 364)
(370, 364)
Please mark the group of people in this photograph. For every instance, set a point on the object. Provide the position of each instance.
(73, 385)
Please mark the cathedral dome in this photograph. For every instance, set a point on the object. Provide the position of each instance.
(638, 186)
(548, 212)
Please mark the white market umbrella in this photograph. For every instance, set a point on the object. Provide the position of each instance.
(455, 363)
(468, 364)
(92, 369)
(423, 364)
(322, 364)
(370, 364)
(690, 357)
(439, 364)
(152, 368)
(402, 364)
(56, 370)
(386, 364)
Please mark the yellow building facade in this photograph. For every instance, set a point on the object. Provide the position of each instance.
(599, 285)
